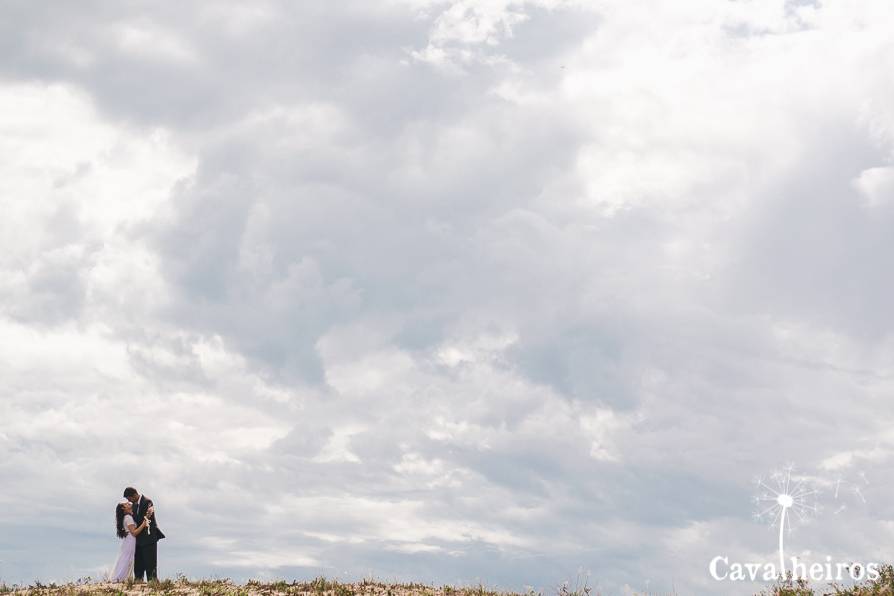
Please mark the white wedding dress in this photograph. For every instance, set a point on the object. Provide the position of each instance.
(124, 567)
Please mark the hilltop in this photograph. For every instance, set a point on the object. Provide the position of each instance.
(320, 586)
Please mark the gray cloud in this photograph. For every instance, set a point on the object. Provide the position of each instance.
(441, 291)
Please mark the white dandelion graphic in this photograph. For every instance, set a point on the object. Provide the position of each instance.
(784, 500)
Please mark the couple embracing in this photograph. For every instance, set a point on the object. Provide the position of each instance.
(135, 522)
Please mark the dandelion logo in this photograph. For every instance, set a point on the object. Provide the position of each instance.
(784, 500)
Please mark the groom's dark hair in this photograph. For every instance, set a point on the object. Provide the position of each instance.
(129, 492)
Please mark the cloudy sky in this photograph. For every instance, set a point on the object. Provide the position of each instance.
(507, 291)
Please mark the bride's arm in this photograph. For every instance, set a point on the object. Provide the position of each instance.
(134, 529)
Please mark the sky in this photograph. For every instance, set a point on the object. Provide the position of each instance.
(504, 291)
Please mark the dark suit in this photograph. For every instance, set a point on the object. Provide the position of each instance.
(146, 554)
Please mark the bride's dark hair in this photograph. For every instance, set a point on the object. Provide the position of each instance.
(119, 520)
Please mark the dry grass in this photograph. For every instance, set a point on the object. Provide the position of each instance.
(224, 587)
(320, 586)
(883, 586)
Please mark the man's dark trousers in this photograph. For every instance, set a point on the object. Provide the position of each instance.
(145, 561)
(145, 557)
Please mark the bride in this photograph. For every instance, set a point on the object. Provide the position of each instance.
(128, 530)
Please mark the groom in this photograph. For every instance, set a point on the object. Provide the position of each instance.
(146, 555)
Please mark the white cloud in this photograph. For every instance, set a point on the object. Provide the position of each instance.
(548, 294)
(154, 43)
(876, 185)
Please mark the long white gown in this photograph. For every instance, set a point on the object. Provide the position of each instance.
(124, 567)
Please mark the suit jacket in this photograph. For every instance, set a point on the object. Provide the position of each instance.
(139, 512)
